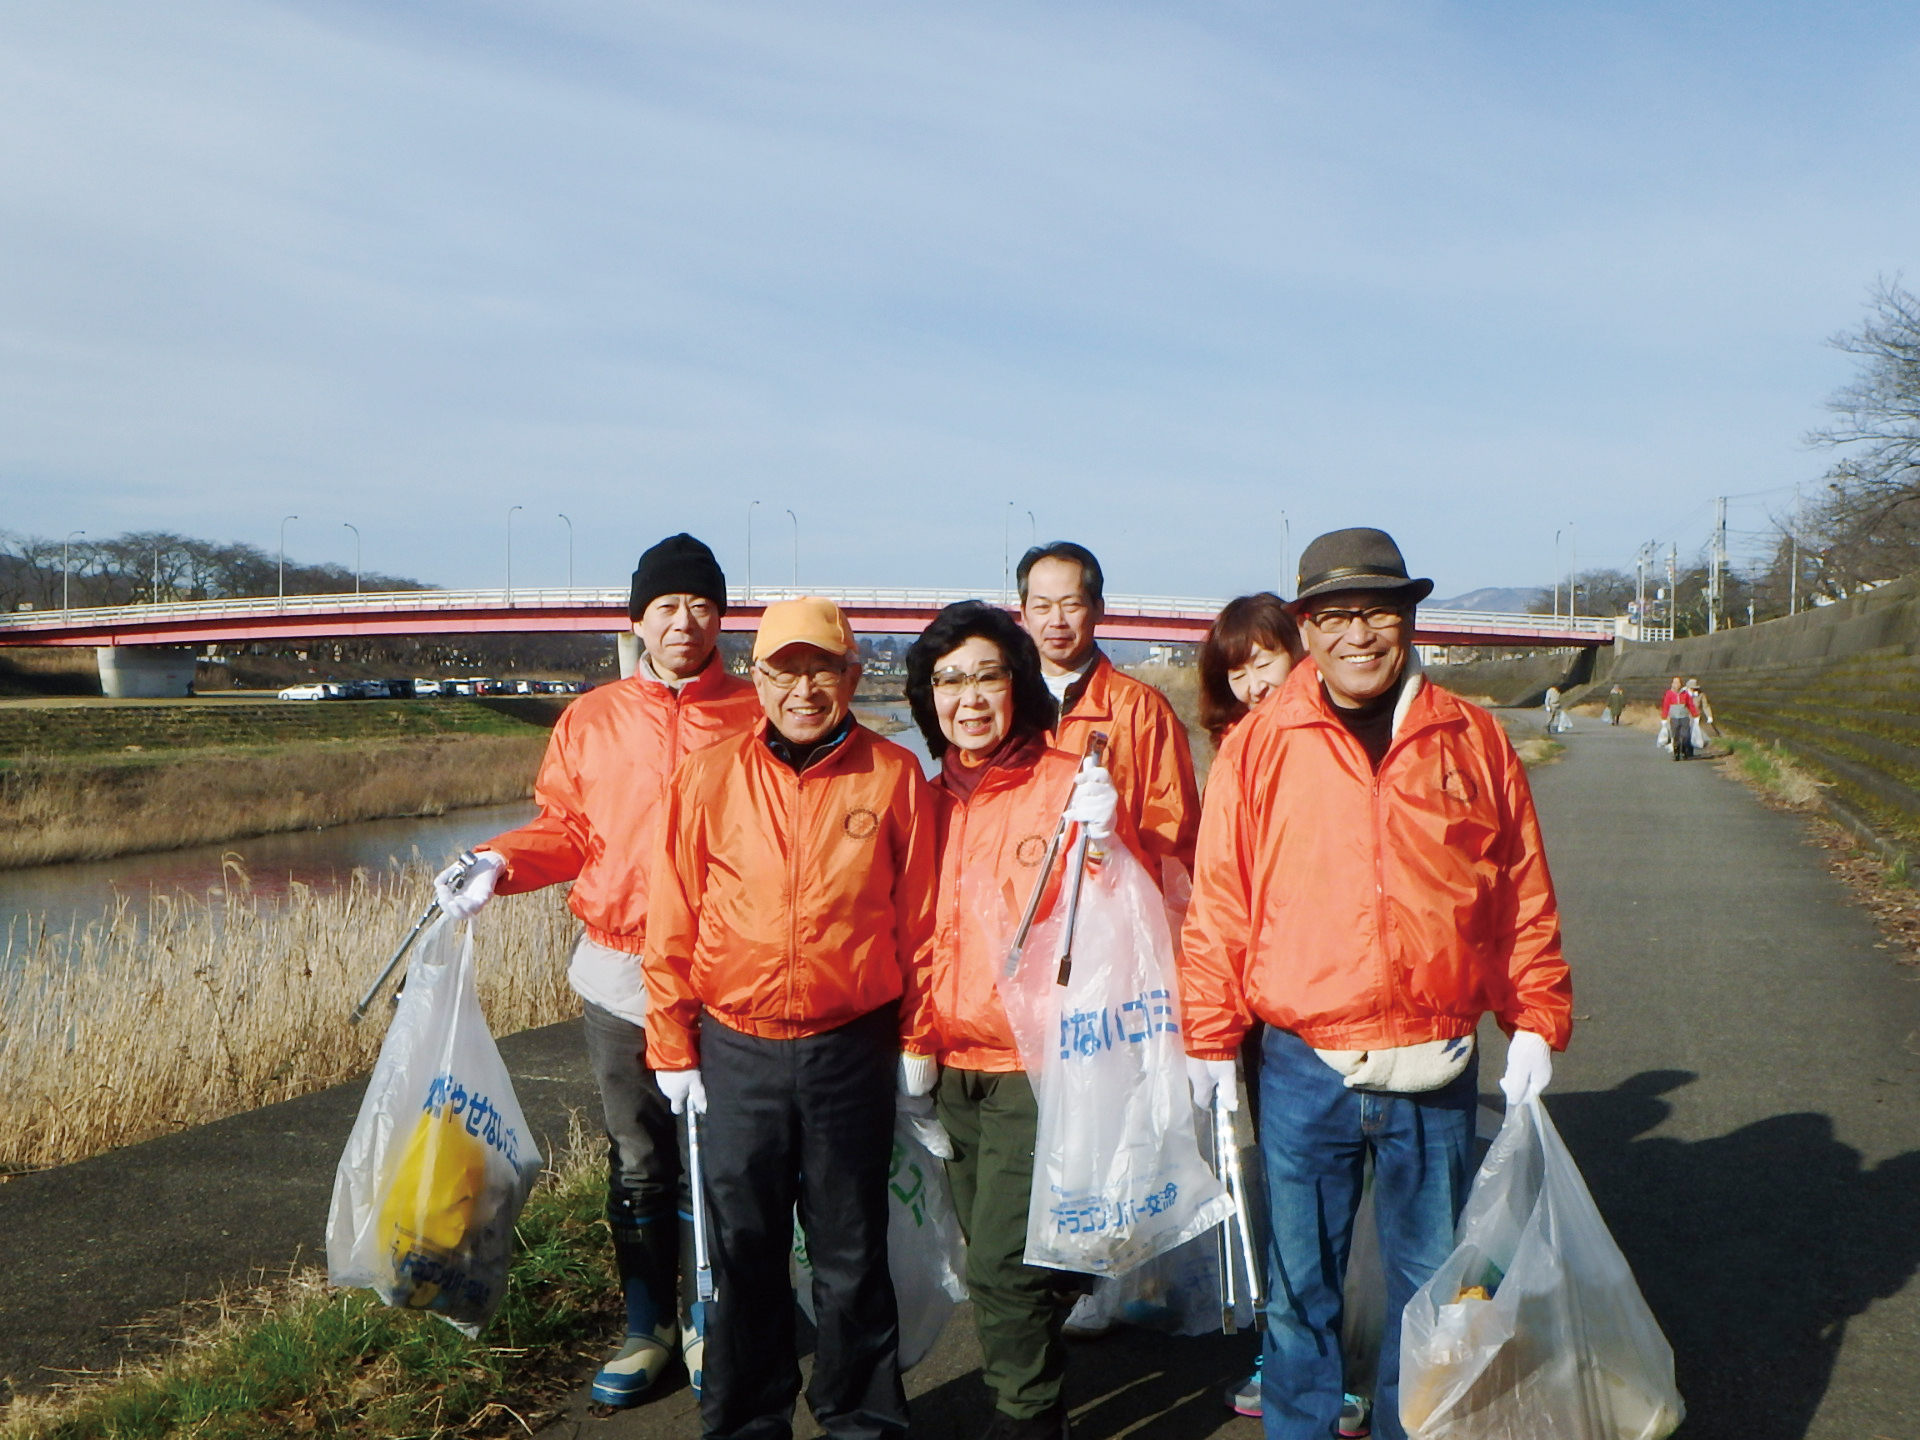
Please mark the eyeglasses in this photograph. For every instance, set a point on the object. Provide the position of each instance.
(1339, 622)
(824, 677)
(988, 680)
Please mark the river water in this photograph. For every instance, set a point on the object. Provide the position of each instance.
(58, 895)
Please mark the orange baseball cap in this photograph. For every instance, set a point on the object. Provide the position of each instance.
(807, 621)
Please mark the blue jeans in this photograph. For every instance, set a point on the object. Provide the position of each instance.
(1315, 1135)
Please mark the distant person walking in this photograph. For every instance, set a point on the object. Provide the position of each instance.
(1616, 704)
(1556, 717)
(1678, 709)
(1702, 714)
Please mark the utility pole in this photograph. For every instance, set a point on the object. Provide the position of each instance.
(1715, 600)
(1793, 576)
(1640, 588)
(1673, 590)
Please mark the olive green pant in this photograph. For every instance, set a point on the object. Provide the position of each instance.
(1018, 1309)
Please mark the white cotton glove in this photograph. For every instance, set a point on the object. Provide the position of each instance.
(1094, 801)
(917, 1111)
(1205, 1077)
(917, 1073)
(682, 1088)
(471, 898)
(1529, 1067)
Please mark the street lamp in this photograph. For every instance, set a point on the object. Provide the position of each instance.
(66, 575)
(510, 510)
(1287, 578)
(283, 557)
(1006, 554)
(796, 549)
(569, 552)
(750, 510)
(1556, 574)
(1573, 570)
(356, 553)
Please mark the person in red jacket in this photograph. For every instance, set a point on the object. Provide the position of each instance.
(787, 950)
(1370, 884)
(602, 789)
(1678, 710)
(974, 685)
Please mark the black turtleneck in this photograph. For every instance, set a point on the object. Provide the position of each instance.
(1372, 723)
(798, 757)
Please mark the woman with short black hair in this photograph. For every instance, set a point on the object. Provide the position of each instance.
(974, 685)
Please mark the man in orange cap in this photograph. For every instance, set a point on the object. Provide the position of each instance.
(787, 950)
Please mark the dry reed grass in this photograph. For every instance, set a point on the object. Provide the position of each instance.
(54, 810)
(1181, 685)
(208, 1008)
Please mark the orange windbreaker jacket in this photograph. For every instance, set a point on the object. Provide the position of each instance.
(602, 787)
(1148, 756)
(991, 846)
(788, 905)
(1361, 911)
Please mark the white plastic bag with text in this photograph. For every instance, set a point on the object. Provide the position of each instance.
(439, 1160)
(1118, 1177)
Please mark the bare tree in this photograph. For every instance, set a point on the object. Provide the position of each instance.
(1866, 527)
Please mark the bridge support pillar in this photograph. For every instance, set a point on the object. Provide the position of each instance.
(629, 644)
(144, 672)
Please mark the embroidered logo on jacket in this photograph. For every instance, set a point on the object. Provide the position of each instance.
(1458, 785)
(1031, 850)
(860, 823)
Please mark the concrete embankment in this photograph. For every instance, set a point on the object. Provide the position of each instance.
(1838, 688)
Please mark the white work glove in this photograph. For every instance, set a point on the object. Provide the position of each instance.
(917, 1073)
(1094, 801)
(1204, 1077)
(1529, 1067)
(682, 1088)
(471, 898)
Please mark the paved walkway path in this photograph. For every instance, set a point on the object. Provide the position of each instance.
(1743, 1095)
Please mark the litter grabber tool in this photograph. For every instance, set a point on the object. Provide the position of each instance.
(1236, 1231)
(1077, 869)
(696, 1182)
(1223, 1235)
(427, 916)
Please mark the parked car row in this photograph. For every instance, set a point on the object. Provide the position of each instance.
(409, 689)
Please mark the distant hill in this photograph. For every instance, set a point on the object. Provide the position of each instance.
(1507, 599)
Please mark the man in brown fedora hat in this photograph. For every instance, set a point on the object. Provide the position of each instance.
(1370, 883)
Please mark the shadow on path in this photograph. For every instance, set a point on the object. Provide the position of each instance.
(1754, 1248)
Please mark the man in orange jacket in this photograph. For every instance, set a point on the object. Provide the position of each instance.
(786, 960)
(1062, 602)
(601, 789)
(1370, 883)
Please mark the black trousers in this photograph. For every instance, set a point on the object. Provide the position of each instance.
(809, 1122)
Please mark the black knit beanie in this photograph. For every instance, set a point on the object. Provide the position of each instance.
(678, 565)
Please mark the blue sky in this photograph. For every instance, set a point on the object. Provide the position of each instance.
(1160, 274)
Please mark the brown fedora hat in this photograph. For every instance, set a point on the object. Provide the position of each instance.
(1357, 559)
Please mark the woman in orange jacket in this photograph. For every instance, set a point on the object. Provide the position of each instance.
(974, 684)
(1251, 647)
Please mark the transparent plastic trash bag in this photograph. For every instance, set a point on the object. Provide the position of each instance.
(1118, 1176)
(439, 1160)
(1562, 1346)
(925, 1253)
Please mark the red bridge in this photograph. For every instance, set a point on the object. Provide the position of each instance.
(1164, 618)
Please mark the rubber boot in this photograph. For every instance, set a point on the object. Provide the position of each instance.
(693, 1314)
(647, 1255)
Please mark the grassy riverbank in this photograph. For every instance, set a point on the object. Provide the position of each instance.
(208, 1008)
(293, 1357)
(87, 781)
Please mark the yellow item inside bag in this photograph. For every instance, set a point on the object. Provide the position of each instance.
(428, 1213)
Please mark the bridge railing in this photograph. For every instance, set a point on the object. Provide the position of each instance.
(614, 600)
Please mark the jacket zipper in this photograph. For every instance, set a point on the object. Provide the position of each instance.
(793, 888)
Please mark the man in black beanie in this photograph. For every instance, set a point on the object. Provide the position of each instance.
(601, 790)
